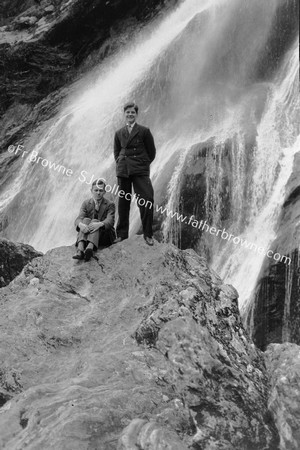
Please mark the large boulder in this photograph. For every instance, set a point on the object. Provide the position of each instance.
(13, 257)
(142, 348)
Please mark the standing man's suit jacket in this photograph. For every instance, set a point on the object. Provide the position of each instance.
(106, 214)
(134, 152)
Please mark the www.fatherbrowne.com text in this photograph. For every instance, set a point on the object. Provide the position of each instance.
(203, 226)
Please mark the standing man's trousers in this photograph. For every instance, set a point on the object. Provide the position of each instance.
(144, 197)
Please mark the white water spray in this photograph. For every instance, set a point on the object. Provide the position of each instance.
(277, 143)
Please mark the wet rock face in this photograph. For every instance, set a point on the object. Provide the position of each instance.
(275, 313)
(195, 198)
(274, 316)
(13, 257)
(143, 348)
(267, 311)
(283, 364)
(207, 195)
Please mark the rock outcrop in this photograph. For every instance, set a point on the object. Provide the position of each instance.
(141, 349)
(283, 363)
(13, 257)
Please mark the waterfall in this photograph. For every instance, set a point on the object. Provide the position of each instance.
(276, 144)
(196, 76)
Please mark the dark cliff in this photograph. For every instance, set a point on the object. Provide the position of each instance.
(44, 47)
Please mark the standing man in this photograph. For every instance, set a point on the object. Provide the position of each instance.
(95, 223)
(134, 151)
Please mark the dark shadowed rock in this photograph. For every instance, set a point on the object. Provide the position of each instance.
(275, 311)
(143, 348)
(283, 363)
(13, 257)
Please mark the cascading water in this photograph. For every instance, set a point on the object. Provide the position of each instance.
(197, 77)
(268, 114)
(81, 137)
(276, 144)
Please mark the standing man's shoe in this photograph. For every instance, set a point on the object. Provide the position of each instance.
(118, 239)
(149, 240)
